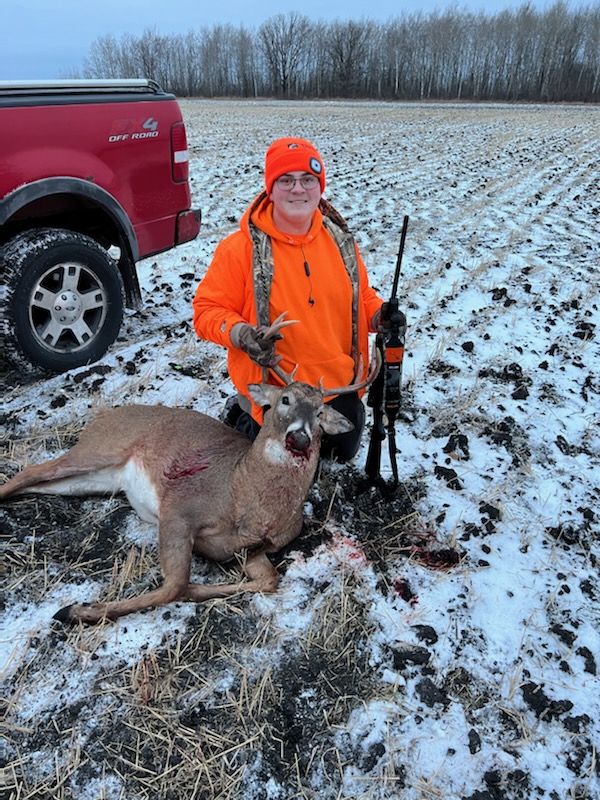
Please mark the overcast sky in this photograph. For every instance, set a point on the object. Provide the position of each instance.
(42, 39)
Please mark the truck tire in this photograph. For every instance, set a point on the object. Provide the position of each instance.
(63, 301)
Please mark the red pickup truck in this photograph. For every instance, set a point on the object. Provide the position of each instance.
(93, 178)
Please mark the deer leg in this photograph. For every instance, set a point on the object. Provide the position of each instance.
(65, 475)
(262, 577)
(175, 560)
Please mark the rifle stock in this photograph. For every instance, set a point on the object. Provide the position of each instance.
(385, 393)
(375, 401)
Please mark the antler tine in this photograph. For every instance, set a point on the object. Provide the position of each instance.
(272, 332)
(354, 387)
(286, 377)
(281, 322)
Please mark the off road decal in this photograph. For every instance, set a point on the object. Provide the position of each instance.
(123, 130)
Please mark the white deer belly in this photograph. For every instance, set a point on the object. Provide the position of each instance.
(140, 491)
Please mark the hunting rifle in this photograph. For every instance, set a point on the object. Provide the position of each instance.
(385, 392)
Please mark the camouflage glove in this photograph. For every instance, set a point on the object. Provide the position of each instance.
(251, 339)
(382, 320)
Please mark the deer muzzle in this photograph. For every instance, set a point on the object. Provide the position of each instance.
(298, 442)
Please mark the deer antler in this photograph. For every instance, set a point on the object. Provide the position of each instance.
(272, 332)
(288, 377)
(354, 387)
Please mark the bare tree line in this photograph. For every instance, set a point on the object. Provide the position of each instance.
(521, 54)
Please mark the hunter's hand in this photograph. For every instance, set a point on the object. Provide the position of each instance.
(252, 340)
(388, 316)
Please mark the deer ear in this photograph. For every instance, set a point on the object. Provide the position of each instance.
(333, 422)
(263, 394)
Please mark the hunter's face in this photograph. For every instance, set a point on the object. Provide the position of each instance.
(294, 205)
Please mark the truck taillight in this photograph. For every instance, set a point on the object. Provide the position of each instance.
(179, 153)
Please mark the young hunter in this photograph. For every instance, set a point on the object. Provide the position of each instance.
(293, 253)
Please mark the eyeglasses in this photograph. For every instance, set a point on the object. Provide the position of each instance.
(287, 182)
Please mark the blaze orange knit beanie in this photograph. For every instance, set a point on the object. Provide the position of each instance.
(290, 155)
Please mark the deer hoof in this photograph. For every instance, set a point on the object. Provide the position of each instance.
(64, 615)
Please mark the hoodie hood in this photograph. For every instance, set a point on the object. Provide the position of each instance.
(260, 213)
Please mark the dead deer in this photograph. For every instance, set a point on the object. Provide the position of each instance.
(210, 489)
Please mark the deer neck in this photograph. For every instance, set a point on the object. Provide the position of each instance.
(269, 468)
(271, 485)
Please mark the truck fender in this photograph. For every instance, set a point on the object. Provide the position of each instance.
(46, 187)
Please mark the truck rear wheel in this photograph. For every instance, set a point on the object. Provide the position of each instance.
(64, 299)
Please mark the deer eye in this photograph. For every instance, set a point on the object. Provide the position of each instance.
(285, 400)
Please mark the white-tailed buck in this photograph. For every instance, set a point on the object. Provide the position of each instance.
(209, 488)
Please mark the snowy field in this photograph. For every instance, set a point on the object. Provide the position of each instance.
(440, 645)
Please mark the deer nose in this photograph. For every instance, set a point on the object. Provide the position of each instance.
(298, 442)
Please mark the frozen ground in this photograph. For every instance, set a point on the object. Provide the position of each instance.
(441, 645)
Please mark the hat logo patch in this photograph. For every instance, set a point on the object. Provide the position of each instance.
(315, 165)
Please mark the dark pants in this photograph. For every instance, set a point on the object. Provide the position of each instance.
(338, 447)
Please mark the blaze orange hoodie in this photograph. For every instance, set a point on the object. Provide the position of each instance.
(320, 344)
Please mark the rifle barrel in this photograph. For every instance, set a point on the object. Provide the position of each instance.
(399, 259)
